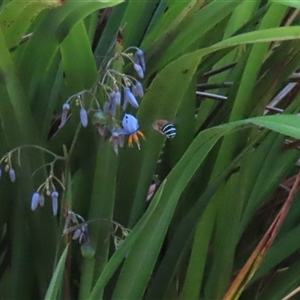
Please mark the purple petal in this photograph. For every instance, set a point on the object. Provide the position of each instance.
(120, 131)
(76, 234)
(121, 140)
(35, 201)
(130, 124)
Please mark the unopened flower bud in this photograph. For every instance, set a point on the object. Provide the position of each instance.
(54, 196)
(139, 89)
(140, 59)
(115, 100)
(64, 115)
(41, 200)
(129, 97)
(12, 175)
(35, 201)
(139, 70)
(83, 117)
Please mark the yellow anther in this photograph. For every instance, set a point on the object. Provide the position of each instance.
(130, 141)
(141, 134)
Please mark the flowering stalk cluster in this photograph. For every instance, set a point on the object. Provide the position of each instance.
(7, 160)
(119, 91)
(118, 240)
(76, 225)
(46, 188)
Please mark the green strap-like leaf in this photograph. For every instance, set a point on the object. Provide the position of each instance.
(57, 278)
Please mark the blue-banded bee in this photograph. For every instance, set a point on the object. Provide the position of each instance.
(165, 127)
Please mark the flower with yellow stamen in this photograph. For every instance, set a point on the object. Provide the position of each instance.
(131, 128)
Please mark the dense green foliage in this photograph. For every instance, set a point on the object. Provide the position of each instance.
(219, 184)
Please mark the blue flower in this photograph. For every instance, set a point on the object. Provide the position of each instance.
(83, 117)
(131, 127)
(129, 97)
(140, 59)
(130, 124)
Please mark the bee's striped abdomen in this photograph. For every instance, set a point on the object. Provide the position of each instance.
(169, 130)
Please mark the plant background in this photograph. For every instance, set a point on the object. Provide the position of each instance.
(223, 223)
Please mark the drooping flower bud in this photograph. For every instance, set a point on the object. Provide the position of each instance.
(129, 97)
(12, 175)
(66, 106)
(64, 115)
(115, 100)
(139, 70)
(140, 59)
(139, 89)
(41, 200)
(83, 117)
(54, 196)
(0, 173)
(35, 201)
(84, 238)
(130, 124)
